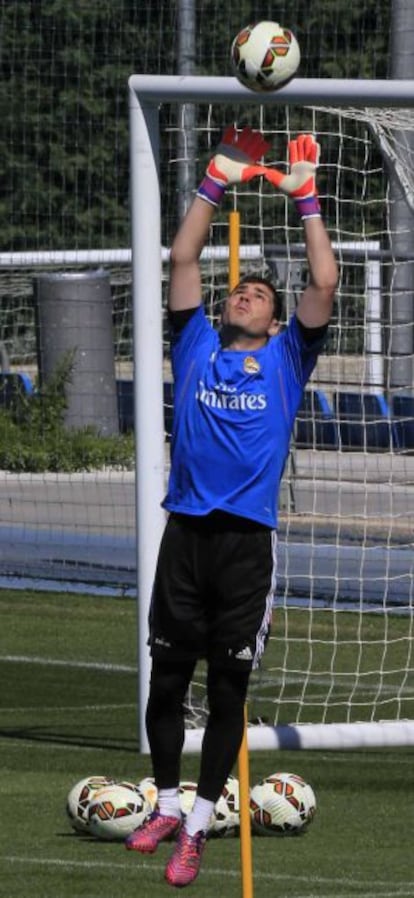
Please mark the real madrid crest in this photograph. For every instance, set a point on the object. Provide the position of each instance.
(251, 365)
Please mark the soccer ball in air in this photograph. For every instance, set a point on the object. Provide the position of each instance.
(265, 56)
(225, 819)
(78, 799)
(116, 811)
(281, 804)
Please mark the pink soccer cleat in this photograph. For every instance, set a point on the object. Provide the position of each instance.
(158, 828)
(184, 864)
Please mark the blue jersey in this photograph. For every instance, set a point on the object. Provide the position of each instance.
(233, 418)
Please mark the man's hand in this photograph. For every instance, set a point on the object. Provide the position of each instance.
(237, 150)
(300, 184)
(236, 161)
(233, 162)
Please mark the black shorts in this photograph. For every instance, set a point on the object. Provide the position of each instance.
(213, 590)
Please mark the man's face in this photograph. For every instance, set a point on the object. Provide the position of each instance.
(250, 308)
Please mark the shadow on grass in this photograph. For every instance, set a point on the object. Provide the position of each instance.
(41, 735)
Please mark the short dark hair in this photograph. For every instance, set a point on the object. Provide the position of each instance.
(277, 299)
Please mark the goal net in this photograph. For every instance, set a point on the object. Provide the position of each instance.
(339, 666)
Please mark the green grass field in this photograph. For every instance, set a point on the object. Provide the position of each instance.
(68, 710)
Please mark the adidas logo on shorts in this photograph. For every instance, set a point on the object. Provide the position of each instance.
(244, 654)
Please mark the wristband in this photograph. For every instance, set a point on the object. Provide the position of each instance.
(308, 207)
(211, 191)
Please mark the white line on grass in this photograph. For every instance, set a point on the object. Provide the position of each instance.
(402, 889)
(126, 668)
(62, 708)
(59, 662)
(356, 884)
(365, 688)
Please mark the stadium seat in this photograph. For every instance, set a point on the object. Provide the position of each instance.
(168, 408)
(403, 417)
(364, 421)
(125, 397)
(315, 426)
(13, 387)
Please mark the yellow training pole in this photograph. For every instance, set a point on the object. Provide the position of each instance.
(234, 248)
(243, 762)
(245, 828)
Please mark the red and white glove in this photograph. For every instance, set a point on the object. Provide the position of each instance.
(233, 163)
(300, 183)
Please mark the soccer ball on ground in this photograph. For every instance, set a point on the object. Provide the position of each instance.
(148, 788)
(281, 804)
(265, 56)
(135, 787)
(186, 793)
(225, 819)
(116, 811)
(78, 799)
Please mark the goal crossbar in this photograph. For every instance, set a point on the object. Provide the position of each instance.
(146, 93)
(304, 91)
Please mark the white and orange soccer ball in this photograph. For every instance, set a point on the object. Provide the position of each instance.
(282, 804)
(148, 788)
(187, 791)
(225, 819)
(114, 812)
(79, 797)
(265, 56)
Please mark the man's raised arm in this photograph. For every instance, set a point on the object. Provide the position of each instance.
(232, 163)
(316, 303)
(315, 306)
(185, 275)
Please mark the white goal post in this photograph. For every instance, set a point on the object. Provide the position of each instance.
(146, 93)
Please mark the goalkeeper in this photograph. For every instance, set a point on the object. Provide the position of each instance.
(237, 392)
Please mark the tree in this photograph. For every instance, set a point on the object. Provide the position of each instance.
(63, 97)
(63, 103)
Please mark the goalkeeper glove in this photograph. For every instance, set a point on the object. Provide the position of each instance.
(233, 163)
(300, 183)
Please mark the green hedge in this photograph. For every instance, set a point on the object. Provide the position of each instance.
(33, 436)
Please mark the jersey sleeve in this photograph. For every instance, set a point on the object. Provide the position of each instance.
(186, 341)
(301, 349)
(178, 319)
